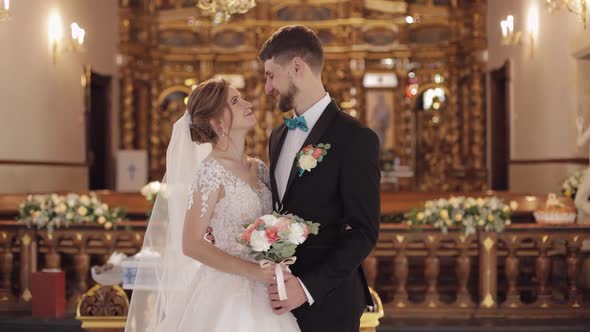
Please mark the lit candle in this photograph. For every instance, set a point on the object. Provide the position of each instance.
(78, 33)
(510, 23)
(504, 27)
(55, 28)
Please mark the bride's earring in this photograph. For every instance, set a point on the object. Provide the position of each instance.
(223, 130)
(222, 143)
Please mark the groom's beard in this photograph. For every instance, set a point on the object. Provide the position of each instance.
(286, 101)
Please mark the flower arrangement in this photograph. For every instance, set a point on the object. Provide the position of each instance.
(151, 190)
(273, 238)
(570, 185)
(467, 213)
(55, 211)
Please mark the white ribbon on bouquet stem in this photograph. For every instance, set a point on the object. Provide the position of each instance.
(279, 273)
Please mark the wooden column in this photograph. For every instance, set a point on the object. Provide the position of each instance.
(511, 270)
(52, 257)
(431, 271)
(81, 268)
(26, 266)
(109, 241)
(6, 261)
(370, 267)
(488, 265)
(400, 270)
(542, 270)
(573, 268)
(463, 270)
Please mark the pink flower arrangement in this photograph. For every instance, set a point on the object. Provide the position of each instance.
(275, 237)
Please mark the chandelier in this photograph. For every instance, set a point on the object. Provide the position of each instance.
(5, 10)
(577, 7)
(222, 10)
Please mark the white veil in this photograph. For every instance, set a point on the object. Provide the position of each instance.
(163, 278)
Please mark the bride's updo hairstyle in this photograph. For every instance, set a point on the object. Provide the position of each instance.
(207, 102)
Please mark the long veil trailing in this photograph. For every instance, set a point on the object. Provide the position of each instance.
(163, 271)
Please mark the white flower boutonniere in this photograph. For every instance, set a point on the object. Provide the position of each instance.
(309, 157)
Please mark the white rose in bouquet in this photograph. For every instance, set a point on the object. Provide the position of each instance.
(258, 241)
(297, 233)
(270, 220)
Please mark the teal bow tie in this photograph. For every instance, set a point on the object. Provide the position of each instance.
(298, 122)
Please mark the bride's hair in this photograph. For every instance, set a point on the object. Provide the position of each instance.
(207, 101)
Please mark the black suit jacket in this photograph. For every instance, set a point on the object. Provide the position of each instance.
(341, 194)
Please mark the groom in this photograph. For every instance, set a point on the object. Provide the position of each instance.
(328, 291)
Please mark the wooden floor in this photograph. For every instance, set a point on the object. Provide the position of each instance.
(28, 324)
(487, 325)
(24, 324)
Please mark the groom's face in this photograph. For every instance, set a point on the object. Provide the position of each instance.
(279, 84)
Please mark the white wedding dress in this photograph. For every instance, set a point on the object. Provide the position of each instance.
(216, 301)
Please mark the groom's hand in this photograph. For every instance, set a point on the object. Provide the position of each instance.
(209, 235)
(295, 295)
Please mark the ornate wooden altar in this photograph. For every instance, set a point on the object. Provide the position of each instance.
(529, 270)
(428, 75)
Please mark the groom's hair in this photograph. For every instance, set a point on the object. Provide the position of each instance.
(294, 41)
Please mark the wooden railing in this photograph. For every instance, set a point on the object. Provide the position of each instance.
(526, 271)
(73, 250)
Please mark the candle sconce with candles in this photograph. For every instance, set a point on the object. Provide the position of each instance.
(56, 41)
(4, 10)
(509, 36)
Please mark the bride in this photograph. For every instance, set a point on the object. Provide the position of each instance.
(194, 285)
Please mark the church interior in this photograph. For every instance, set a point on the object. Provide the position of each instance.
(480, 106)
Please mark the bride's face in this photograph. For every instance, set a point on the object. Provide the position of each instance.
(242, 117)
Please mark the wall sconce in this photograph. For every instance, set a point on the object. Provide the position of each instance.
(73, 44)
(578, 7)
(4, 10)
(509, 37)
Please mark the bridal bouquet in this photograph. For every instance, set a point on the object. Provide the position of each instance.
(273, 238)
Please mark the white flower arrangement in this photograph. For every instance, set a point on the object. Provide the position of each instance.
(467, 213)
(151, 190)
(55, 211)
(570, 185)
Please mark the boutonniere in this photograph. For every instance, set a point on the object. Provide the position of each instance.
(309, 157)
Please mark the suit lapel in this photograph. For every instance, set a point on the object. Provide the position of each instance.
(316, 133)
(275, 150)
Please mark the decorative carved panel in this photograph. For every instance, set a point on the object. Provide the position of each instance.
(168, 46)
(303, 13)
(380, 36)
(429, 35)
(179, 38)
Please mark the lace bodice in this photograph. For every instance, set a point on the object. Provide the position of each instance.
(241, 203)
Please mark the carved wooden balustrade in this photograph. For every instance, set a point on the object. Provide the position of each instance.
(529, 270)
(74, 250)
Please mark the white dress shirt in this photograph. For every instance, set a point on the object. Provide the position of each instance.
(292, 145)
